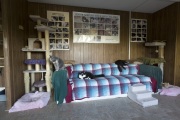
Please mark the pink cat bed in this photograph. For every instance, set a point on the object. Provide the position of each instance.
(31, 101)
(170, 91)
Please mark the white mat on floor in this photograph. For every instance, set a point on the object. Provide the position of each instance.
(170, 91)
(31, 101)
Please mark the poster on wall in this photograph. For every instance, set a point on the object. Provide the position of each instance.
(96, 28)
(59, 40)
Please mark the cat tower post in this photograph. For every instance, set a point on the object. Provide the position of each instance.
(39, 33)
(40, 36)
(47, 77)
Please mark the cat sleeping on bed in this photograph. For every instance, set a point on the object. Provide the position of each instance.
(88, 75)
(57, 62)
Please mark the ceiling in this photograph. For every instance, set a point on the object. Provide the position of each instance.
(144, 6)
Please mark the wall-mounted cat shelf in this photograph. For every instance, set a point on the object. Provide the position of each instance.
(155, 44)
(160, 45)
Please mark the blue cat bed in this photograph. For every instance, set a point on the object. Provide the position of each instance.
(35, 61)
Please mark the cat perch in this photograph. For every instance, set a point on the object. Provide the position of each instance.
(160, 45)
(36, 62)
(38, 45)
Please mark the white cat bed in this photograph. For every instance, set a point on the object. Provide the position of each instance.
(31, 101)
(170, 91)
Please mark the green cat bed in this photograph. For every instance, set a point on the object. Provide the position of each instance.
(150, 61)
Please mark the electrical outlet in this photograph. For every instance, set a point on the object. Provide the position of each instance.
(21, 27)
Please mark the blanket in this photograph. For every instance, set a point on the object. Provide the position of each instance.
(59, 81)
(106, 86)
(31, 101)
(170, 91)
(151, 71)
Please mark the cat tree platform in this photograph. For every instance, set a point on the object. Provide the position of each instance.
(36, 62)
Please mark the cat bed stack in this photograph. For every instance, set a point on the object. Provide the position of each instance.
(37, 62)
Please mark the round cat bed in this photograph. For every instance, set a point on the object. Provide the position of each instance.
(40, 83)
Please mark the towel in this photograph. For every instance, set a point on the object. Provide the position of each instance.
(59, 82)
(151, 71)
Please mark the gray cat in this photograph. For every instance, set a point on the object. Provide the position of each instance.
(57, 62)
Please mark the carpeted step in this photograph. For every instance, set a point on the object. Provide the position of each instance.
(142, 97)
(148, 102)
(138, 87)
(143, 94)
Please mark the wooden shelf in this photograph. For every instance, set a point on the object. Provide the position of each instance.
(34, 71)
(155, 44)
(34, 50)
(58, 49)
(42, 28)
(36, 17)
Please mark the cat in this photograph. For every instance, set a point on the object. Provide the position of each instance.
(121, 64)
(57, 62)
(88, 75)
(85, 75)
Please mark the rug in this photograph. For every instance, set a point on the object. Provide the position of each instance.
(31, 101)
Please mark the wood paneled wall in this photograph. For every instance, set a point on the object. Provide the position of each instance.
(177, 52)
(166, 27)
(138, 49)
(1, 50)
(87, 52)
(14, 13)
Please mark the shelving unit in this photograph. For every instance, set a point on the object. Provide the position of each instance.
(29, 74)
(59, 39)
(138, 30)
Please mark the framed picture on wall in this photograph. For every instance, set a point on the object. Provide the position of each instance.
(138, 30)
(96, 28)
(60, 21)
